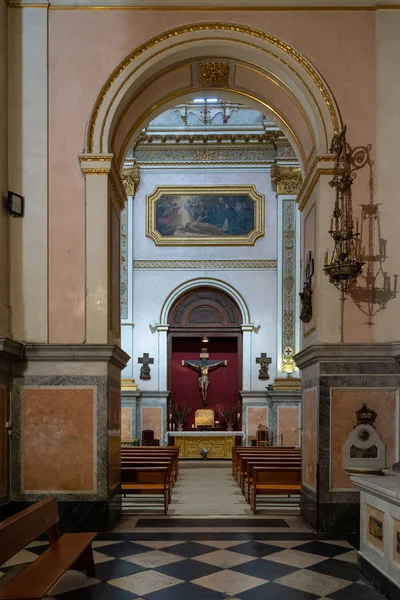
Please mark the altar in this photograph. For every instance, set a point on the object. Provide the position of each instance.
(219, 444)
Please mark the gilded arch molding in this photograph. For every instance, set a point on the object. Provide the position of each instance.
(287, 57)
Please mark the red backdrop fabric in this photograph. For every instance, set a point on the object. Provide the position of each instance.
(224, 381)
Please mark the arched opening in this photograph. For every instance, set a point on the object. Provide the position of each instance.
(205, 322)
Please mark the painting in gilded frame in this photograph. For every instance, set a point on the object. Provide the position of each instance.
(205, 215)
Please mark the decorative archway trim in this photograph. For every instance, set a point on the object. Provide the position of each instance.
(118, 79)
(205, 282)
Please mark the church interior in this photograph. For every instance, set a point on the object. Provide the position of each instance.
(199, 332)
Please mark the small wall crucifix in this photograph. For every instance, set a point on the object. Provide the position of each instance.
(306, 294)
(146, 361)
(264, 361)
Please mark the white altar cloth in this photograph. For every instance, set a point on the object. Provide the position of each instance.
(216, 433)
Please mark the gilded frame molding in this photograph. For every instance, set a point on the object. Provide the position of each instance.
(225, 190)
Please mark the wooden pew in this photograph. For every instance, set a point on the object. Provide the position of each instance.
(145, 480)
(152, 462)
(274, 481)
(242, 458)
(70, 551)
(266, 464)
(142, 456)
(237, 450)
(153, 451)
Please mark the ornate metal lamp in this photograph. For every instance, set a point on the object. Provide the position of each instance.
(346, 261)
(374, 288)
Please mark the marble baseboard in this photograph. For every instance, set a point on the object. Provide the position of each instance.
(308, 510)
(385, 586)
(339, 519)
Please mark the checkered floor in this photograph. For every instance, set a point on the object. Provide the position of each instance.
(213, 569)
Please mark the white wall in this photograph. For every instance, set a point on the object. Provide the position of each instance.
(151, 287)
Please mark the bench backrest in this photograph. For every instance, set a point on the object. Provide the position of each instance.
(144, 475)
(23, 528)
(285, 475)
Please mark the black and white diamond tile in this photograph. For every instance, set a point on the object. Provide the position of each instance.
(239, 569)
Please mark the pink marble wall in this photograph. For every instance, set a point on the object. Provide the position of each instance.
(256, 415)
(310, 437)
(288, 425)
(344, 403)
(3, 442)
(58, 439)
(126, 423)
(79, 66)
(114, 438)
(152, 419)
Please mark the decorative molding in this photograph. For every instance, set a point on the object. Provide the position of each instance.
(76, 352)
(288, 277)
(213, 74)
(192, 155)
(286, 180)
(206, 27)
(312, 176)
(131, 180)
(359, 353)
(124, 263)
(117, 184)
(192, 265)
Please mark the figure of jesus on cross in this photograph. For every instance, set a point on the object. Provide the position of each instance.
(203, 366)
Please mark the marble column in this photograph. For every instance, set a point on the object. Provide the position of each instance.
(247, 331)
(66, 431)
(162, 357)
(337, 379)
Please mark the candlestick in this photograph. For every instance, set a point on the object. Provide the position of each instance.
(326, 258)
(331, 224)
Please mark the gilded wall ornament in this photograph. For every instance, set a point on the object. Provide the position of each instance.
(214, 74)
(124, 263)
(288, 276)
(131, 180)
(286, 180)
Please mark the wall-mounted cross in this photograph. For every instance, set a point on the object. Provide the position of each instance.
(146, 361)
(264, 361)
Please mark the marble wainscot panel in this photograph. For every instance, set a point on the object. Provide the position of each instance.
(379, 553)
(285, 416)
(153, 414)
(255, 411)
(130, 402)
(66, 431)
(9, 351)
(339, 373)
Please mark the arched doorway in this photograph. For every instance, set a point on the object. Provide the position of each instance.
(204, 313)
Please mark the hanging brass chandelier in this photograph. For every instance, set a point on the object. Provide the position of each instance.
(374, 288)
(347, 260)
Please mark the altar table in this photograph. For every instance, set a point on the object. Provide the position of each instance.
(218, 443)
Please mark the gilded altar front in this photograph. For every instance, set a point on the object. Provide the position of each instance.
(218, 446)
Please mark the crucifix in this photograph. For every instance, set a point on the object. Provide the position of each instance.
(263, 361)
(146, 361)
(203, 366)
(306, 294)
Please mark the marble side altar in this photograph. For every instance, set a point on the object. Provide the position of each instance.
(379, 555)
(218, 443)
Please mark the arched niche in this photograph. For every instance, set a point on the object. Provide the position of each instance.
(204, 308)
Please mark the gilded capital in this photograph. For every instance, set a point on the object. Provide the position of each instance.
(213, 74)
(131, 180)
(286, 180)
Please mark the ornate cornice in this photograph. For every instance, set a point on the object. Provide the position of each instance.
(286, 180)
(204, 264)
(245, 155)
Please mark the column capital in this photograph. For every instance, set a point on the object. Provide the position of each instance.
(286, 180)
(95, 164)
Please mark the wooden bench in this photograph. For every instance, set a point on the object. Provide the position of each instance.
(145, 480)
(140, 463)
(243, 458)
(154, 451)
(142, 456)
(265, 464)
(238, 450)
(274, 481)
(70, 551)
